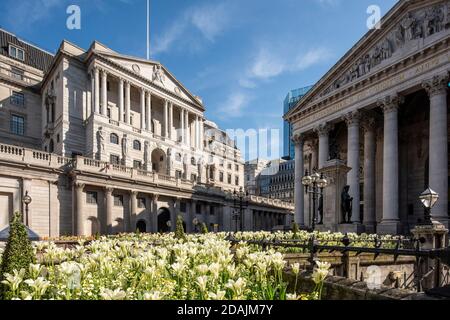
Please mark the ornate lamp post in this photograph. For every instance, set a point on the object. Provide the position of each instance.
(314, 184)
(26, 201)
(240, 202)
(428, 198)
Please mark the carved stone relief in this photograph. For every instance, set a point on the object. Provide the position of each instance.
(415, 25)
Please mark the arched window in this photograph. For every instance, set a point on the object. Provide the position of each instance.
(136, 145)
(114, 138)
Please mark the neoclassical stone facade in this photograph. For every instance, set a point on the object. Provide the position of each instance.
(107, 143)
(377, 122)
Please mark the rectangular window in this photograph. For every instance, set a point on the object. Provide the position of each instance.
(137, 164)
(198, 209)
(221, 176)
(118, 201)
(193, 178)
(114, 159)
(17, 74)
(16, 53)
(108, 113)
(17, 99)
(236, 167)
(18, 125)
(229, 166)
(236, 181)
(212, 211)
(178, 174)
(183, 206)
(229, 179)
(141, 203)
(91, 197)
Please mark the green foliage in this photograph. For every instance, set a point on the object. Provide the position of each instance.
(18, 254)
(295, 229)
(204, 228)
(179, 230)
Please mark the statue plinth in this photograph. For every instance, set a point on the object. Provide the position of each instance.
(335, 172)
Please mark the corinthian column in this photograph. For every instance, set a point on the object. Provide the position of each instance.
(437, 91)
(79, 213)
(127, 102)
(148, 112)
(323, 131)
(352, 120)
(121, 100)
(369, 174)
(391, 221)
(109, 210)
(143, 101)
(166, 119)
(97, 90)
(299, 189)
(104, 93)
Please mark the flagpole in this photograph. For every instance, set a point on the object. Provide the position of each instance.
(148, 29)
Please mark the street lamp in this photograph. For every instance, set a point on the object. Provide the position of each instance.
(316, 182)
(26, 201)
(428, 198)
(240, 203)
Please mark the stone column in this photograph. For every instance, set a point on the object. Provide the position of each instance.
(79, 213)
(369, 126)
(143, 109)
(391, 221)
(186, 128)
(127, 102)
(438, 153)
(324, 143)
(148, 120)
(207, 215)
(299, 189)
(91, 108)
(313, 147)
(192, 215)
(166, 119)
(104, 93)
(176, 213)
(202, 133)
(352, 120)
(154, 213)
(182, 126)
(130, 219)
(109, 209)
(97, 90)
(171, 121)
(121, 100)
(197, 131)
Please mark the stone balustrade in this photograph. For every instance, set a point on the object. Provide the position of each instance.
(38, 158)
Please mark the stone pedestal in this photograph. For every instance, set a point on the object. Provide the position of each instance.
(335, 172)
(433, 236)
(351, 228)
(393, 227)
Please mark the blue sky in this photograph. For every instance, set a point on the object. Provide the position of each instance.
(240, 56)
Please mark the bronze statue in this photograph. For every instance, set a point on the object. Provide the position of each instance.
(346, 205)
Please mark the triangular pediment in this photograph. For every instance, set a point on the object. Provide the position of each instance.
(408, 27)
(153, 72)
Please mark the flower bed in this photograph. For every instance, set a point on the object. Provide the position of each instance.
(139, 267)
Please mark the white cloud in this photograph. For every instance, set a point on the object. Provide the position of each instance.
(332, 3)
(270, 64)
(234, 105)
(210, 20)
(24, 14)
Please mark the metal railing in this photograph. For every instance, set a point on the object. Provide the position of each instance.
(437, 273)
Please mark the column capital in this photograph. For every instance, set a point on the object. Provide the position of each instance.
(134, 193)
(368, 123)
(323, 129)
(391, 103)
(437, 85)
(298, 139)
(79, 185)
(154, 197)
(109, 190)
(352, 118)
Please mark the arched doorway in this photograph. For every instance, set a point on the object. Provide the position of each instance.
(141, 226)
(163, 219)
(159, 161)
